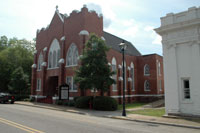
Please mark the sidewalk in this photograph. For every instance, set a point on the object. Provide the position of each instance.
(117, 115)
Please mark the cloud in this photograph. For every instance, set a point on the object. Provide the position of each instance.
(157, 40)
(98, 9)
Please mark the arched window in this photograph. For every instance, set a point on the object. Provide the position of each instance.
(50, 60)
(72, 56)
(58, 56)
(40, 60)
(132, 76)
(54, 59)
(146, 85)
(159, 69)
(53, 54)
(146, 70)
(114, 68)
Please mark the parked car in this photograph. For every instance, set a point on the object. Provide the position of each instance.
(6, 98)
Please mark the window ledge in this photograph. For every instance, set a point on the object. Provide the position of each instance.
(52, 68)
(73, 90)
(38, 90)
(38, 70)
(71, 66)
(93, 91)
(132, 90)
(114, 90)
(147, 90)
(146, 74)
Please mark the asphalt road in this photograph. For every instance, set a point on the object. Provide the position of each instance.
(19, 119)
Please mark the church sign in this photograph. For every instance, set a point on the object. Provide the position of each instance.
(64, 92)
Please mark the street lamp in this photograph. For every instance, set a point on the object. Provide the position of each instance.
(123, 47)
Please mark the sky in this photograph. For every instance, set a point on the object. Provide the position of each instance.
(132, 20)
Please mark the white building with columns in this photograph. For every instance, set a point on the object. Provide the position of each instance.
(181, 51)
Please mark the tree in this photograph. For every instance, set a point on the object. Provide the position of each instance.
(3, 42)
(19, 82)
(18, 53)
(94, 72)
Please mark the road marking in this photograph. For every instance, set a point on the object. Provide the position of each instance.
(22, 127)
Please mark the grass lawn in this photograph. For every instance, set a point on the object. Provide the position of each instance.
(149, 112)
(131, 105)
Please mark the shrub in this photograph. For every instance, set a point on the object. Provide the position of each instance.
(20, 98)
(32, 99)
(69, 103)
(27, 99)
(59, 102)
(75, 98)
(105, 103)
(83, 102)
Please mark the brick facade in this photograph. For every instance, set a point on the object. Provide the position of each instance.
(70, 27)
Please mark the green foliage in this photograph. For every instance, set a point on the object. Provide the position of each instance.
(94, 72)
(32, 99)
(59, 102)
(18, 82)
(3, 42)
(131, 105)
(149, 112)
(105, 103)
(83, 102)
(15, 54)
(21, 98)
(69, 103)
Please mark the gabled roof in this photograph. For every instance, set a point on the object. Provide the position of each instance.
(114, 41)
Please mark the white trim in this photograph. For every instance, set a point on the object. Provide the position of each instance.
(59, 16)
(119, 66)
(62, 38)
(34, 66)
(61, 61)
(109, 64)
(44, 64)
(140, 95)
(45, 49)
(84, 32)
(129, 68)
(129, 79)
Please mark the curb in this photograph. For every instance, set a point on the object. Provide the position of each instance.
(116, 117)
(154, 122)
(70, 111)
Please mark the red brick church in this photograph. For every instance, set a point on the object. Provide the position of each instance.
(59, 45)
